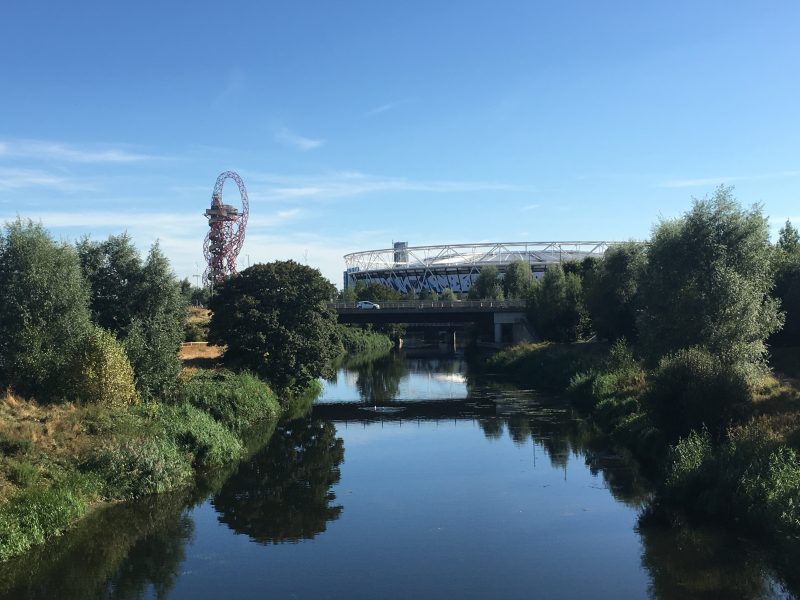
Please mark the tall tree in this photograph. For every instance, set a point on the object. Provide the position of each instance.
(487, 285)
(274, 321)
(787, 285)
(707, 283)
(556, 307)
(612, 291)
(113, 269)
(518, 280)
(43, 310)
(156, 331)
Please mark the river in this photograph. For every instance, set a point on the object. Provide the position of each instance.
(407, 480)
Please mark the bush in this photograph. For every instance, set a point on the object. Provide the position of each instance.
(749, 476)
(35, 514)
(100, 371)
(237, 400)
(210, 442)
(139, 467)
(355, 339)
(693, 389)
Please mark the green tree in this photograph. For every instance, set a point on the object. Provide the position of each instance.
(428, 294)
(447, 295)
(156, 331)
(787, 285)
(612, 291)
(707, 283)
(348, 295)
(376, 292)
(44, 310)
(487, 285)
(113, 269)
(274, 321)
(556, 307)
(518, 280)
(789, 239)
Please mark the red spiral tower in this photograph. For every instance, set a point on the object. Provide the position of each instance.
(226, 227)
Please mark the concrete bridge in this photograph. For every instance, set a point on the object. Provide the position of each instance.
(506, 318)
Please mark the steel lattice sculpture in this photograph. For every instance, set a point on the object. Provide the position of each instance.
(226, 227)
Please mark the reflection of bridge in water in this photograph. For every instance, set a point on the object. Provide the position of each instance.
(423, 410)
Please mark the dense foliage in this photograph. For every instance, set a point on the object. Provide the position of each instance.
(556, 306)
(707, 283)
(787, 285)
(612, 291)
(100, 371)
(43, 310)
(142, 304)
(273, 320)
(487, 285)
(518, 280)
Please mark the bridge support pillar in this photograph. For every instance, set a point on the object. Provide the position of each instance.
(498, 333)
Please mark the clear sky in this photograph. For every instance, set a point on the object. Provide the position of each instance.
(355, 124)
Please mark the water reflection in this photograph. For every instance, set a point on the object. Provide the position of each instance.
(123, 551)
(284, 493)
(438, 483)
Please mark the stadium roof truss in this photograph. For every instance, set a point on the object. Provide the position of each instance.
(470, 256)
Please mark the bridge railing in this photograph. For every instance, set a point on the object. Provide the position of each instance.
(434, 304)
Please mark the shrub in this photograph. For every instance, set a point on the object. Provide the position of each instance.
(692, 389)
(35, 514)
(237, 400)
(139, 467)
(197, 432)
(355, 339)
(101, 373)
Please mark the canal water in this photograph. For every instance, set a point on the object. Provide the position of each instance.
(406, 480)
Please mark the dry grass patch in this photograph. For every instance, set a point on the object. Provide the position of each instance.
(200, 355)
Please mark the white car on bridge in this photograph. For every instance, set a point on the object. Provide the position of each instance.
(367, 305)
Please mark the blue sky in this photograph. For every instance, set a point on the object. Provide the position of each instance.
(355, 124)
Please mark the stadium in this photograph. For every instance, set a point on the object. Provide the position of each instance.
(456, 266)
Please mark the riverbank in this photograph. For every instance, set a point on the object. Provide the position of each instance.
(61, 461)
(744, 470)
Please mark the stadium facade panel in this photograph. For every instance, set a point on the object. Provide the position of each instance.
(456, 266)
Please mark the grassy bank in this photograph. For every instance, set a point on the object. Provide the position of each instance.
(356, 340)
(719, 445)
(59, 461)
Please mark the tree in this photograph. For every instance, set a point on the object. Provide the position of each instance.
(274, 321)
(428, 294)
(44, 310)
(348, 294)
(707, 283)
(555, 305)
(487, 285)
(789, 239)
(142, 304)
(376, 292)
(155, 333)
(518, 280)
(447, 295)
(612, 291)
(113, 269)
(787, 285)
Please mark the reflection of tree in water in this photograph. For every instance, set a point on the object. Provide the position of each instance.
(117, 552)
(378, 381)
(283, 494)
(685, 562)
